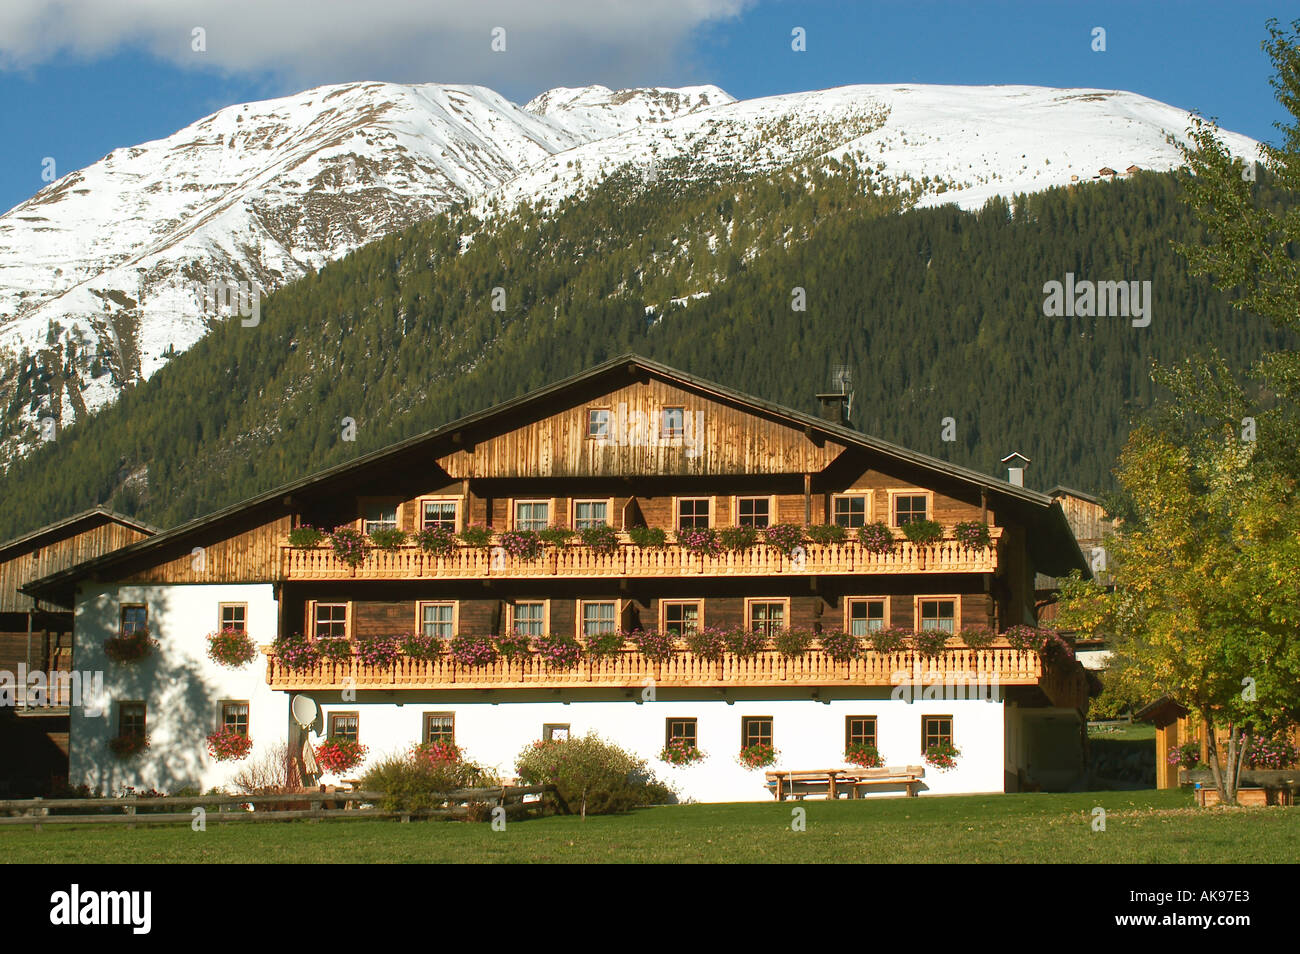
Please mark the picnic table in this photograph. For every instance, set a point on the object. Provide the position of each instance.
(797, 783)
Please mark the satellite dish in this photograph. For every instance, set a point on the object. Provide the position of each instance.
(304, 711)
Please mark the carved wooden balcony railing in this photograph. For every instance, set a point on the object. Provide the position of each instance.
(630, 560)
(994, 667)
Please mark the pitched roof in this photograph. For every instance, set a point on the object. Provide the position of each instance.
(1053, 544)
(70, 526)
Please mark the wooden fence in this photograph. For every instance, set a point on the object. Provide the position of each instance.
(311, 805)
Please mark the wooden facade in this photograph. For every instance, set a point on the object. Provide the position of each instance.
(641, 445)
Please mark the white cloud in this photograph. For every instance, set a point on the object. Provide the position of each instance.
(548, 42)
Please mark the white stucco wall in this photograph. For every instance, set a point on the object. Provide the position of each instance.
(183, 691)
(181, 687)
(808, 733)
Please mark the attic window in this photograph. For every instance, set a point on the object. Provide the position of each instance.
(598, 423)
(672, 423)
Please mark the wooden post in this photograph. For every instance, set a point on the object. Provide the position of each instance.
(36, 812)
(130, 810)
(807, 498)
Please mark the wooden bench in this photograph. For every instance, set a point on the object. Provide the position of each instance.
(831, 782)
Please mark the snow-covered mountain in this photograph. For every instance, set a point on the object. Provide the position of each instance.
(98, 271)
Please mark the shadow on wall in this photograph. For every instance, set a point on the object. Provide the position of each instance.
(180, 707)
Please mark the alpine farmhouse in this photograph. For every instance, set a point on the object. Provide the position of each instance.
(629, 444)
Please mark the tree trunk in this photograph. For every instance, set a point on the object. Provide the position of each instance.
(1212, 754)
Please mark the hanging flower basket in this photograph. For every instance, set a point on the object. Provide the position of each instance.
(708, 642)
(381, 652)
(349, 545)
(826, 533)
(973, 534)
(438, 540)
(602, 538)
(339, 755)
(841, 647)
(738, 538)
(784, 537)
(305, 537)
(130, 647)
(226, 745)
(701, 540)
(420, 645)
(521, 544)
(744, 642)
(652, 644)
(558, 650)
(435, 752)
(473, 650)
(231, 647)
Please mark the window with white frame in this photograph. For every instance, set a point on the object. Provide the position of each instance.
(438, 620)
(530, 619)
(330, 620)
(380, 516)
(849, 510)
(866, 616)
(532, 514)
(672, 422)
(598, 422)
(590, 513)
(438, 513)
(754, 512)
(938, 614)
(599, 617)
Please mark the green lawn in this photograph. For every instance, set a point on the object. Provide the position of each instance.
(1145, 826)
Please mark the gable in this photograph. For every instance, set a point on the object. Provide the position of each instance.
(717, 439)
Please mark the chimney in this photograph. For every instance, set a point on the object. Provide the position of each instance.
(835, 407)
(1016, 463)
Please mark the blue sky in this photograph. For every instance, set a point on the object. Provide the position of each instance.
(77, 81)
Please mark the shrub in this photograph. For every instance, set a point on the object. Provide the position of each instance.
(349, 546)
(707, 642)
(826, 533)
(793, 642)
(744, 642)
(605, 644)
(388, 538)
(336, 648)
(521, 544)
(602, 538)
(592, 776)
(972, 533)
(701, 540)
(513, 645)
(473, 650)
(476, 536)
(891, 640)
(757, 755)
(231, 647)
(420, 645)
(923, 532)
(559, 650)
(337, 755)
(130, 647)
(226, 745)
(978, 637)
(378, 651)
(295, 652)
(876, 537)
(930, 642)
(840, 646)
(863, 754)
(128, 746)
(414, 782)
(273, 772)
(784, 537)
(942, 755)
(738, 538)
(556, 536)
(304, 537)
(437, 539)
(680, 752)
(648, 536)
(651, 643)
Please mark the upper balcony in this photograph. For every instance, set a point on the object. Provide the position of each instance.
(629, 560)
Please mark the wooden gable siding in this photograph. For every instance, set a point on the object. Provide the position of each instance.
(1087, 518)
(38, 561)
(248, 556)
(731, 441)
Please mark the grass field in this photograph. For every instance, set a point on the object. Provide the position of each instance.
(1146, 826)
